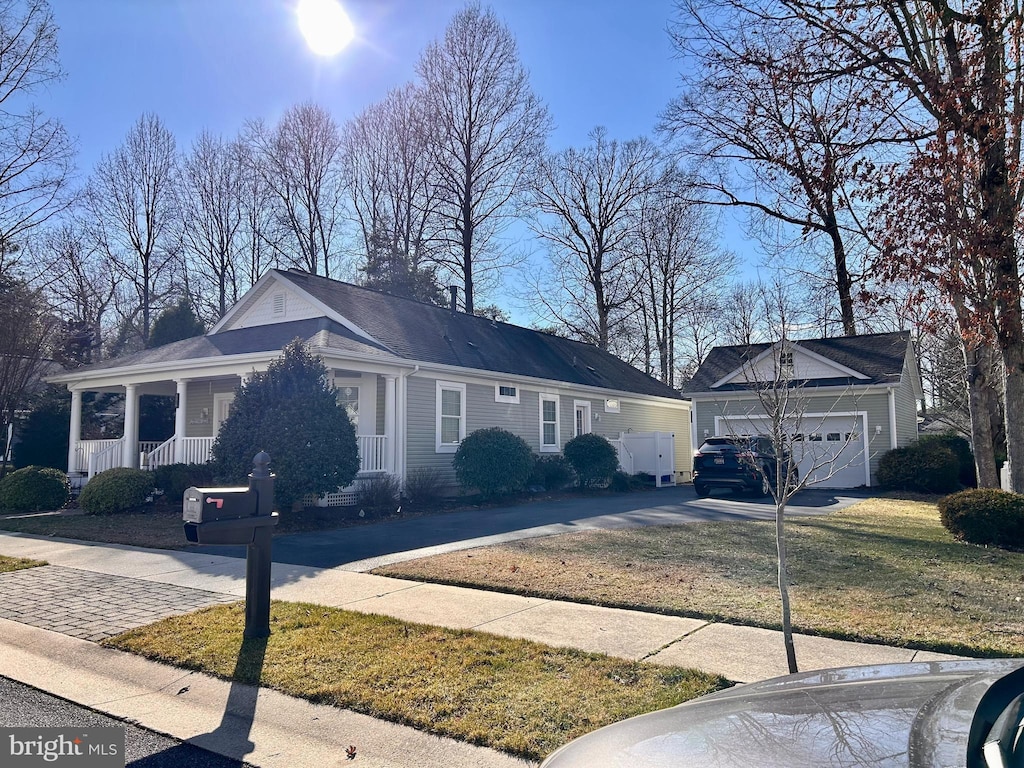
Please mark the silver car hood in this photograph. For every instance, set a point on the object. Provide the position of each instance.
(881, 716)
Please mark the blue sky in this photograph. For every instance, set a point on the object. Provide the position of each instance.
(215, 63)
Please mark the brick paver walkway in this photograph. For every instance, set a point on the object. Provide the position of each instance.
(93, 606)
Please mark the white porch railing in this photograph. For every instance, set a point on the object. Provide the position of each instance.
(159, 454)
(148, 446)
(93, 456)
(371, 452)
(196, 449)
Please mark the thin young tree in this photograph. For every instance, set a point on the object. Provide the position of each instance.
(489, 129)
(792, 416)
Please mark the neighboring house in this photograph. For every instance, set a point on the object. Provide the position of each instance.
(415, 378)
(857, 398)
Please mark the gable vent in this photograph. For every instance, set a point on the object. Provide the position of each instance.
(279, 303)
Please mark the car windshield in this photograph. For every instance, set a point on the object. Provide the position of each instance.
(727, 444)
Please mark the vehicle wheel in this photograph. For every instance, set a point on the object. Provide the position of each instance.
(766, 486)
(701, 489)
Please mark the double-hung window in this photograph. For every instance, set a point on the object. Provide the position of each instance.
(451, 416)
(548, 423)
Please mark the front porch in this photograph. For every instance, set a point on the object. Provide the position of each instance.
(94, 456)
(200, 407)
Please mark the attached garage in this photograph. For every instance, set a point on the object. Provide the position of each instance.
(830, 448)
(850, 400)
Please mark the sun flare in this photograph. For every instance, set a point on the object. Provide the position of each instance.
(325, 25)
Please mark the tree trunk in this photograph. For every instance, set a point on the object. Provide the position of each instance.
(983, 400)
(787, 626)
(844, 282)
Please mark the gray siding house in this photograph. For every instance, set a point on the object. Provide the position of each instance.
(855, 397)
(415, 379)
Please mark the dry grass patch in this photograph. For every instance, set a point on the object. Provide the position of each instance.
(883, 570)
(518, 696)
(8, 564)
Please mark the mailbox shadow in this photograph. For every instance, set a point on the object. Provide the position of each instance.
(232, 737)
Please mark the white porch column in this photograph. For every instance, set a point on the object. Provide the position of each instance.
(390, 436)
(180, 411)
(75, 431)
(130, 454)
(245, 377)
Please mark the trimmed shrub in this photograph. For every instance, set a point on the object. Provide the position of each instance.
(290, 411)
(175, 479)
(493, 461)
(379, 494)
(551, 471)
(620, 482)
(961, 448)
(593, 458)
(34, 488)
(423, 487)
(985, 516)
(117, 490)
(929, 468)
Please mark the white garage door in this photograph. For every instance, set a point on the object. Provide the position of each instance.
(831, 449)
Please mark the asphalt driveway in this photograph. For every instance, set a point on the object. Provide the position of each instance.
(362, 548)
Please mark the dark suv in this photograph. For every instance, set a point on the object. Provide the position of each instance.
(739, 463)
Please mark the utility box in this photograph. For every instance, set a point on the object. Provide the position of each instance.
(224, 515)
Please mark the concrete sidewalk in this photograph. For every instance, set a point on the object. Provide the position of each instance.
(90, 591)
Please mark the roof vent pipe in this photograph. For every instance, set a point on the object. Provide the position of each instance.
(454, 291)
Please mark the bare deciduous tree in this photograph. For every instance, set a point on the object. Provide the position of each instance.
(489, 132)
(299, 161)
(792, 416)
(133, 202)
(961, 64)
(36, 154)
(28, 327)
(774, 140)
(675, 264)
(590, 200)
(212, 200)
(388, 174)
(82, 285)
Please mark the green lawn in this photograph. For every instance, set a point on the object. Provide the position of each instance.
(518, 696)
(883, 570)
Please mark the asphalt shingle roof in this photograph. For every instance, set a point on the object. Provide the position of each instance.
(879, 356)
(417, 332)
(425, 333)
(260, 338)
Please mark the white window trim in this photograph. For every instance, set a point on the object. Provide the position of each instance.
(558, 425)
(500, 398)
(439, 387)
(589, 426)
(613, 405)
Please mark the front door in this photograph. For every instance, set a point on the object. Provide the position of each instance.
(221, 409)
(582, 426)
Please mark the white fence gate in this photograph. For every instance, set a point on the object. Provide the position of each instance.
(653, 453)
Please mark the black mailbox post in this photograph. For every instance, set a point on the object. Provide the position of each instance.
(240, 516)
